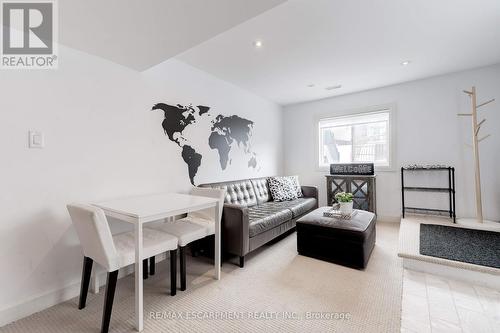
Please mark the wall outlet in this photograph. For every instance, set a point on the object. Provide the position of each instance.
(36, 139)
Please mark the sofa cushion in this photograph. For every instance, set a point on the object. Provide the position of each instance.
(265, 217)
(237, 193)
(297, 207)
(303, 205)
(282, 188)
(261, 190)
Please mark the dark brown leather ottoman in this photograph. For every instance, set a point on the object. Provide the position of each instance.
(345, 242)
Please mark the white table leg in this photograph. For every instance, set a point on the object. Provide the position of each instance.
(139, 316)
(217, 242)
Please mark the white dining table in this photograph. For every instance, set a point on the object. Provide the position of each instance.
(140, 210)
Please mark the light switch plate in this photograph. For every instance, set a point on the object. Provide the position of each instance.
(36, 139)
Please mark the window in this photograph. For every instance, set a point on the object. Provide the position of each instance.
(357, 138)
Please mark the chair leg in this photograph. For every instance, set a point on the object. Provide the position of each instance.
(152, 268)
(173, 272)
(242, 261)
(145, 269)
(108, 300)
(84, 288)
(182, 260)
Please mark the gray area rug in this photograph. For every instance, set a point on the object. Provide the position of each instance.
(277, 291)
(479, 247)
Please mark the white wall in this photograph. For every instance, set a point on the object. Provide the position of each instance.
(102, 141)
(427, 131)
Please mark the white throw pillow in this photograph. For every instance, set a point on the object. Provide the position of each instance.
(282, 188)
(295, 182)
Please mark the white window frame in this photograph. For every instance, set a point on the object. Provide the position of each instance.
(390, 108)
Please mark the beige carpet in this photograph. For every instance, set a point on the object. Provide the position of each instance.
(275, 283)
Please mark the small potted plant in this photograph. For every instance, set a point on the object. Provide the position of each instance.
(345, 201)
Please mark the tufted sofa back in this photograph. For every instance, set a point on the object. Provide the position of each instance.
(261, 189)
(240, 192)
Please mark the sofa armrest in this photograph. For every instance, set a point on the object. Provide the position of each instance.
(235, 229)
(310, 192)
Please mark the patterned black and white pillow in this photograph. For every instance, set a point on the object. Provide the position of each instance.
(282, 188)
(295, 182)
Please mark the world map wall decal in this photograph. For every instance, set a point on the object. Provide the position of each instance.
(225, 131)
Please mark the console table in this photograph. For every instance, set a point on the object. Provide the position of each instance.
(362, 187)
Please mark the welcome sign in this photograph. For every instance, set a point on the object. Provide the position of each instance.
(352, 169)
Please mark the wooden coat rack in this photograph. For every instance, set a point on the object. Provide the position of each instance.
(475, 147)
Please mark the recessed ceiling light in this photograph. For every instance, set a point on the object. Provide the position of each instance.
(258, 43)
(338, 86)
(310, 85)
(405, 63)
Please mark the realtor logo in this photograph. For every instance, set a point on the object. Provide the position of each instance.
(29, 35)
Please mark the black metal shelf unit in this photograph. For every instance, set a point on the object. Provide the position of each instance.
(450, 190)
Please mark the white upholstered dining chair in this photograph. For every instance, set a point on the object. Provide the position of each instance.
(196, 225)
(114, 252)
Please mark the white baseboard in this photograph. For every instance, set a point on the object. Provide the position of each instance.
(47, 300)
(390, 219)
(38, 303)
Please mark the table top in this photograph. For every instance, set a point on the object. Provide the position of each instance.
(359, 222)
(155, 205)
(351, 176)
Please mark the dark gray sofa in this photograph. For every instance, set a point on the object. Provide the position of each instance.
(251, 218)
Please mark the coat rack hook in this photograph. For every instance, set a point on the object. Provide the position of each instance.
(487, 102)
(484, 137)
(478, 127)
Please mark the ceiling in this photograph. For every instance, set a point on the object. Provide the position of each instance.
(141, 34)
(359, 44)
